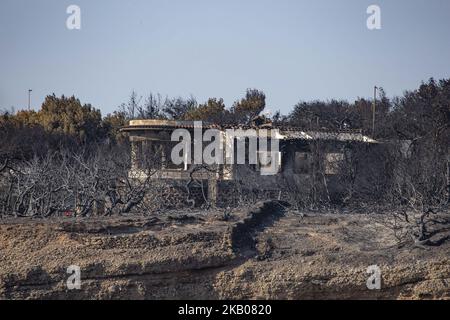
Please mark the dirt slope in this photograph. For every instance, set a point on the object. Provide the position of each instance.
(263, 253)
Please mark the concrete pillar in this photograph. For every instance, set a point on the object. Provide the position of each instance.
(212, 191)
(134, 156)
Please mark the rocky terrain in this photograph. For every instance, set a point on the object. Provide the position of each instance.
(266, 252)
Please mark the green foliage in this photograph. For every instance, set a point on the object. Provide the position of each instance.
(213, 111)
(112, 124)
(249, 107)
(420, 114)
(68, 116)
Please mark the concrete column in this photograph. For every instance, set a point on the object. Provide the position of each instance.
(212, 191)
(134, 156)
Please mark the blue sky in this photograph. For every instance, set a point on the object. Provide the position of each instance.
(292, 50)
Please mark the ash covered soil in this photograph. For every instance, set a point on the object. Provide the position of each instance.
(258, 253)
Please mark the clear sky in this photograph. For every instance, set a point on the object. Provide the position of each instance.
(292, 50)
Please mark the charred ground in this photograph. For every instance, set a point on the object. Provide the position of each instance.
(267, 252)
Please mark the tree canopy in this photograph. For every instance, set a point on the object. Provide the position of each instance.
(423, 113)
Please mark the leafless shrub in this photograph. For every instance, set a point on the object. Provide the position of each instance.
(417, 190)
(73, 184)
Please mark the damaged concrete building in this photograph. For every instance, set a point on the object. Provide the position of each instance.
(303, 158)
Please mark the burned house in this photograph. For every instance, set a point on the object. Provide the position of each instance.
(305, 163)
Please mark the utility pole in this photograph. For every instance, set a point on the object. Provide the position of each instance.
(374, 107)
(29, 99)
